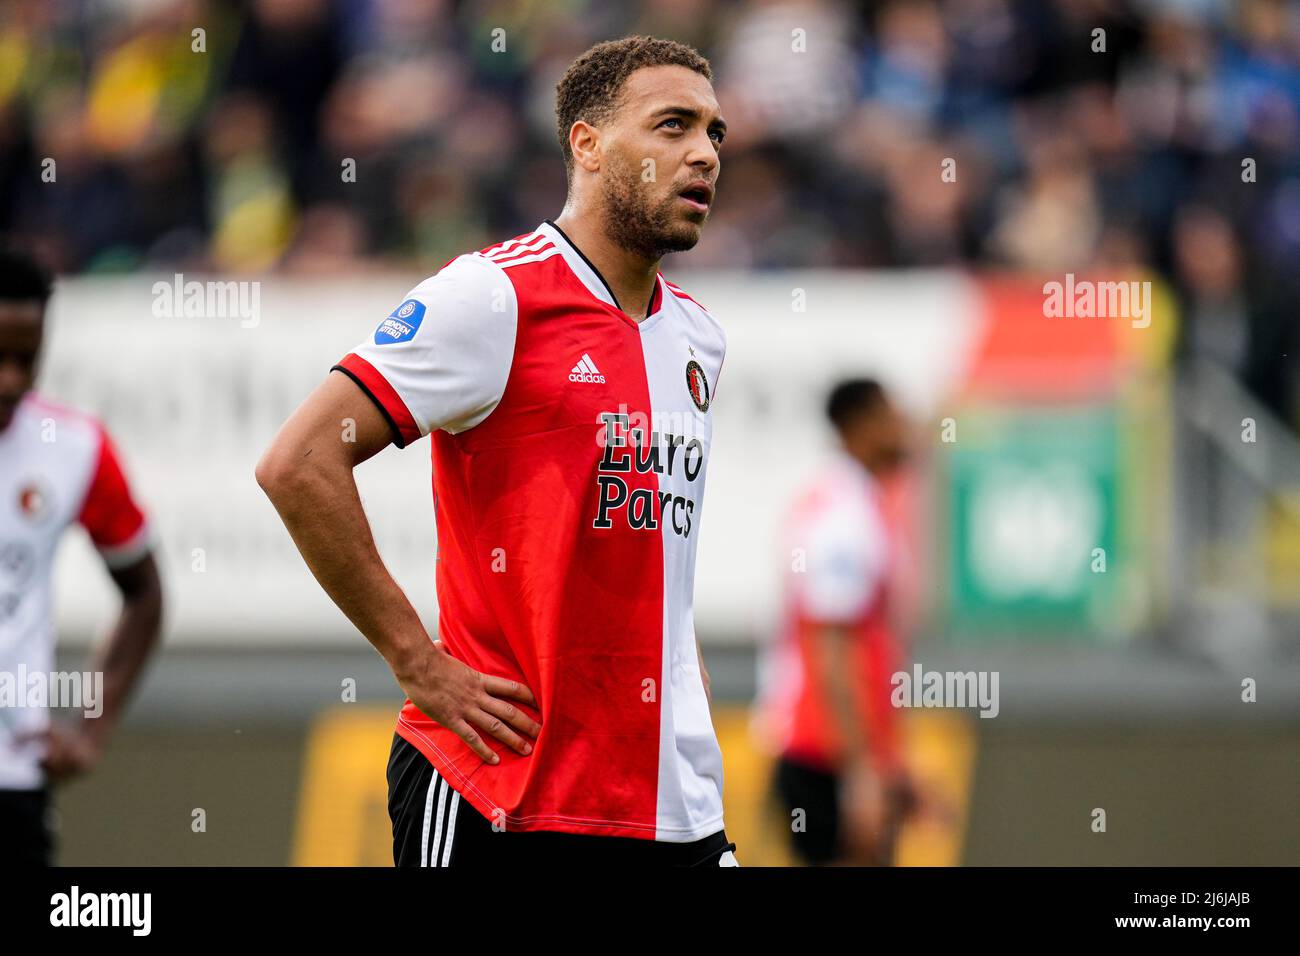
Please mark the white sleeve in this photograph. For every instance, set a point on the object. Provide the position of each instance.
(845, 565)
(442, 357)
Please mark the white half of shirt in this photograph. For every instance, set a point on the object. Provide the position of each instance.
(845, 545)
(48, 460)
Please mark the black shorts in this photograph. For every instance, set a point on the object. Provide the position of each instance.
(24, 828)
(816, 793)
(434, 826)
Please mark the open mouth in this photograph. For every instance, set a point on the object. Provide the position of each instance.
(698, 195)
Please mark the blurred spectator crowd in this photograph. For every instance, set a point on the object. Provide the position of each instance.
(1149, 134)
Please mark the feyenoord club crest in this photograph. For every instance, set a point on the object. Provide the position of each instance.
(32, 501)
(698, 385)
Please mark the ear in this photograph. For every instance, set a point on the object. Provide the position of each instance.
(584, 143)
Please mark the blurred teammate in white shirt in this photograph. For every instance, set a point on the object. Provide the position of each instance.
(57, 467)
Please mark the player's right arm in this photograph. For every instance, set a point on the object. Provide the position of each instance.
(307, 474)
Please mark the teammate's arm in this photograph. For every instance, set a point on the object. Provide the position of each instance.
(307, 474)
(120, 658)
(862, 792)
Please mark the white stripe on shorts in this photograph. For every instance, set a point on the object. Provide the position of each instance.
(451, 827)
(442, 811)
(428, 814)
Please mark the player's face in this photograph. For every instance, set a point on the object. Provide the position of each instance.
(889, 439)
(878, 438)
(660, 153)
(21, 326)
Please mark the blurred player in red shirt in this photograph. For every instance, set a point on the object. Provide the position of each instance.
(826, 681)
(57, 467)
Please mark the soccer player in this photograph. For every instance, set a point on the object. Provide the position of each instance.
(827, 680)
(57, 467)
(561, 715)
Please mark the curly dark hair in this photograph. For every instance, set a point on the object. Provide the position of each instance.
(851, 398)
(590, 88)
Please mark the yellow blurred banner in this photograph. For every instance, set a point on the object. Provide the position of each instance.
(343, 807)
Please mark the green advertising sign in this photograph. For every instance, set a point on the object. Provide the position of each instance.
(1034, 518)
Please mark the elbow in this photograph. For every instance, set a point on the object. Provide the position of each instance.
(150, 604)
(265, 472)
(288, 472)
(274, 472)
(142, 595)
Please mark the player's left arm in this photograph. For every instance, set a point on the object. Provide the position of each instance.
(120, 531)
(704, 674)
(122, 656)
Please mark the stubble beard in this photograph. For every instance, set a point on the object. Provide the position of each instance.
(635, 224)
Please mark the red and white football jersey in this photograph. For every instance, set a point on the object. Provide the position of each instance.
(570, 448)
(57, 467)
(839, 573)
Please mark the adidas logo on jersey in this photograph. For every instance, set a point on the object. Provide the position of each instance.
(586, 371)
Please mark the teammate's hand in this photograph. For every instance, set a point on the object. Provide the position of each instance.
(864, 816)
(905, 797)
(69, 751)
(467, 702)
(928, 802)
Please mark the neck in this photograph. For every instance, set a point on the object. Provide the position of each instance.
(861, 456)
(630, 277)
